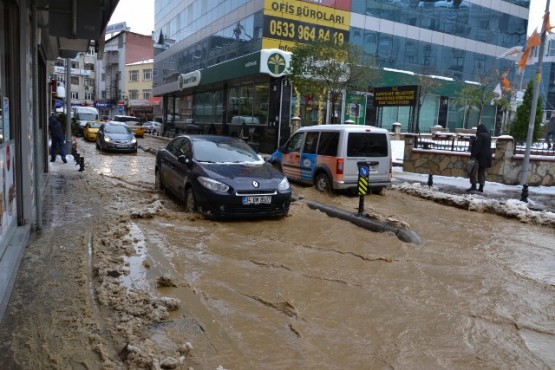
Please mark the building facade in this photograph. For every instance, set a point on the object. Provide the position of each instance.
(120, 50)
(33, 35)
(82, 70)
(138, 89)
(216, 66)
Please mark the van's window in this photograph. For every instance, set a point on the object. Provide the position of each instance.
(367, 145)
(310, 143)
(328, 143)
(294, 144)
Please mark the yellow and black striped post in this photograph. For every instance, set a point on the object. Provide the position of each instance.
(363, 172)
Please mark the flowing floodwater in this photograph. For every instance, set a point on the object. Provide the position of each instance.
(313, 292)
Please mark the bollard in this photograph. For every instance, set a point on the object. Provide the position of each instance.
(81, 164)
(363, 172)
(430, 180)
(524, 194)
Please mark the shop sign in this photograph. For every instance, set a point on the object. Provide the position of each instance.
(395, 96)
(103, 104)
(190, 79)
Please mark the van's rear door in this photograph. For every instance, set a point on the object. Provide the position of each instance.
(373, 148)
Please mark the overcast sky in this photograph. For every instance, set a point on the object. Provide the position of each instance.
(139, 14)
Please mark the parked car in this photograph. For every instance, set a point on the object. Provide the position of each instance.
(327, 156)
(115, 136)
(221, 177)
(152, 127)
(90, 130)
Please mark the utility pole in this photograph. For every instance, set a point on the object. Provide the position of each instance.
(68, 106)
(533, 108)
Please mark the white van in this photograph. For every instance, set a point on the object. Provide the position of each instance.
(83, 115)
(328, 156)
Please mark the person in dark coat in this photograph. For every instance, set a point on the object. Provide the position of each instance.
(550, 131)
(481, 152)
(57, 138)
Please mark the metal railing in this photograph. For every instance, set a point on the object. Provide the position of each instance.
(447, 142)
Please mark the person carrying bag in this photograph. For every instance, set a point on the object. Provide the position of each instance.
(480, 154)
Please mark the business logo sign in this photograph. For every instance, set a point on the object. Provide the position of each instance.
(274, 62)
(190, 79)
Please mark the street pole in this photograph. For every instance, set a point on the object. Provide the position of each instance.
(533, 108)
(68, 106)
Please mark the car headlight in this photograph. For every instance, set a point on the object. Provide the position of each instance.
(213, 185)
(283, 185)
(133, 141)
(107, 139)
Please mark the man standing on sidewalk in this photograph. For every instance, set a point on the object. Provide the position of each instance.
(57, 138)
(481, 152)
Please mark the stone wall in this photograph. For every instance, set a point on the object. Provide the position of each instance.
(506, 166)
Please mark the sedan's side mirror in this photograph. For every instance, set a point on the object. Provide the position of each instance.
(184, 159)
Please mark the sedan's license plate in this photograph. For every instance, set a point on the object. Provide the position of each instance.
(257, 200)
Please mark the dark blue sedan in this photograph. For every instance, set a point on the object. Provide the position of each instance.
(221, 177)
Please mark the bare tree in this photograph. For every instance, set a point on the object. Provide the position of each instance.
(324, 69)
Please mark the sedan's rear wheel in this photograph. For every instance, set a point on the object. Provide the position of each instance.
(190, 201)
(323, 183)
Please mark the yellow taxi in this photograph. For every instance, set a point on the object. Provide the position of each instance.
(132, 122)
(136, 127)
(90, 130)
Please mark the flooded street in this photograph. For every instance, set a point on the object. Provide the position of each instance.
(305, 292)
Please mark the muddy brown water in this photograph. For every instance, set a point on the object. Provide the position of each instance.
(313, 292)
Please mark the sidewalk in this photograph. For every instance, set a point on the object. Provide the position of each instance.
(540, 198)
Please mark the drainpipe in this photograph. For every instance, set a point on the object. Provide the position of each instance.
(36, 110)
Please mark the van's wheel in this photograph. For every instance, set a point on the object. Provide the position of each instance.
(323, 183)
(190, 201)
(379, 191)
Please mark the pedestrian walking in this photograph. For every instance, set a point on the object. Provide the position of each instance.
(550, 131)
(57, 138)
(481, 152)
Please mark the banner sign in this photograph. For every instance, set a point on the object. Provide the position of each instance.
(286, 23)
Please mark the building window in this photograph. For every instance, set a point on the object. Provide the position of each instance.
(88, 96)
(103, 94)
(89, 67)
(74, 95)
(75, 65)
(134, 94)
(89, 82)
(75, 80)
(147, 74)
(133, 76)
(147, 94)
(103, 77)
(60, 63)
